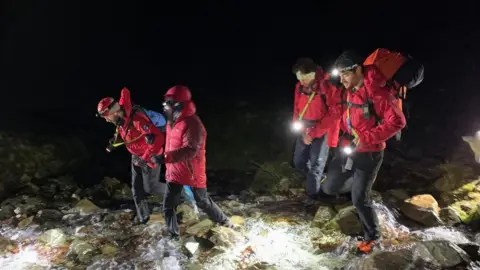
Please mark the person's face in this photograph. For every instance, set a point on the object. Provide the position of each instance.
(168, 108)
(306, 79)
(114, 117)
(351, 78)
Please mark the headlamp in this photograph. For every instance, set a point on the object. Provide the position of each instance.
(297, 126)
(348, 150)
(335, 72)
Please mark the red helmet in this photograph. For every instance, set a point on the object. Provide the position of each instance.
(179, 93)
(105, 105)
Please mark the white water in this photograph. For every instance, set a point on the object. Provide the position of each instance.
(283, 245)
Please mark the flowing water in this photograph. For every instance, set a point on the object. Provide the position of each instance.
(285, 245)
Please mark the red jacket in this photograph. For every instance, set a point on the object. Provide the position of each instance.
(142, 138)
(327, 116)
(185, 147)
(373, 135)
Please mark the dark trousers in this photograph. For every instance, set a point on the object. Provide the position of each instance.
(364, 171)
(173, 194)
(311, 159)
(145, 181)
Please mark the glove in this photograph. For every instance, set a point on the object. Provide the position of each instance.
(158, 159)
(139, 162)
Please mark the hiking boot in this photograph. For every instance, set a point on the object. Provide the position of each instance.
(367, 247)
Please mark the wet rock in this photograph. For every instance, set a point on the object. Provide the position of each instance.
(237, 220)
(449, 216)
(275, 177)
(116, 189)
(85, 206)
(261, 266)
(186, 214)
(439, 253)
(6, 212)
(7, 246)
(323, 215)
(225, 237)
(156, 218)
(191, 246)
(345, 221)
(53, 237)
(25, 222)
(200, 228)
(396, 197)
(109, 250)
(327, 242)
(422, 255)
(84, 250)
(466, 210)
(454, 175)
(423, 209)
(376, 196)
(46, 215)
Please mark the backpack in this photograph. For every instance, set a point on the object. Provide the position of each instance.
(402, 72)
(158, 119)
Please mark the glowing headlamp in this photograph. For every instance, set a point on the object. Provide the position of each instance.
(297, 126)
(348, 150)
(335, 72)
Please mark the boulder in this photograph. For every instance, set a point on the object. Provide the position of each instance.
(53, 237)
(85, 206)
(423, 209)
(225, 237)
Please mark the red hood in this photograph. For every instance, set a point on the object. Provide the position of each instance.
(373, 78)
(180, 93)
(126, 102)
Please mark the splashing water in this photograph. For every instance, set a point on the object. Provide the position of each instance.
(442, 233)
(280, 244)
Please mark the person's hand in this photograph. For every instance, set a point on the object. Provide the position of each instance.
(307, 139)
(139, 162)
(158, 159)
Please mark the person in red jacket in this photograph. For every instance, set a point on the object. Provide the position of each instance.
(143, 140)
(370, 117)
(316, 114)
(185, 160)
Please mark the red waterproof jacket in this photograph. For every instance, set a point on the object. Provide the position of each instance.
(372, 134)
(326, 113)
(142, 138)
(185, 146)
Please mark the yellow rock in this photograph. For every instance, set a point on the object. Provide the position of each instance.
(86, 206)
(156, 218)
(425, 201)
(238, 220)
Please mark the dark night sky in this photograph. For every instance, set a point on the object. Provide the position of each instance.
(63, 56)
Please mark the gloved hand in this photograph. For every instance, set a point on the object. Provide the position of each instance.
(139, 162)
(158, 159)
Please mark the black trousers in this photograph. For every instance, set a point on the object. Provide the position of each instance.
(364, 171)
(173, 194)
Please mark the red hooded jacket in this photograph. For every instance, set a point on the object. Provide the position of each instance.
(136, 137)
(373, 135)
(185, 147)
(327, 116)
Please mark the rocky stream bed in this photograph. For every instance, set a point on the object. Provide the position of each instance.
(429, 220)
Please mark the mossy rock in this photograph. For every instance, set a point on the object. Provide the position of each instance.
(466, 210)
(275, 176)
(454, 175)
